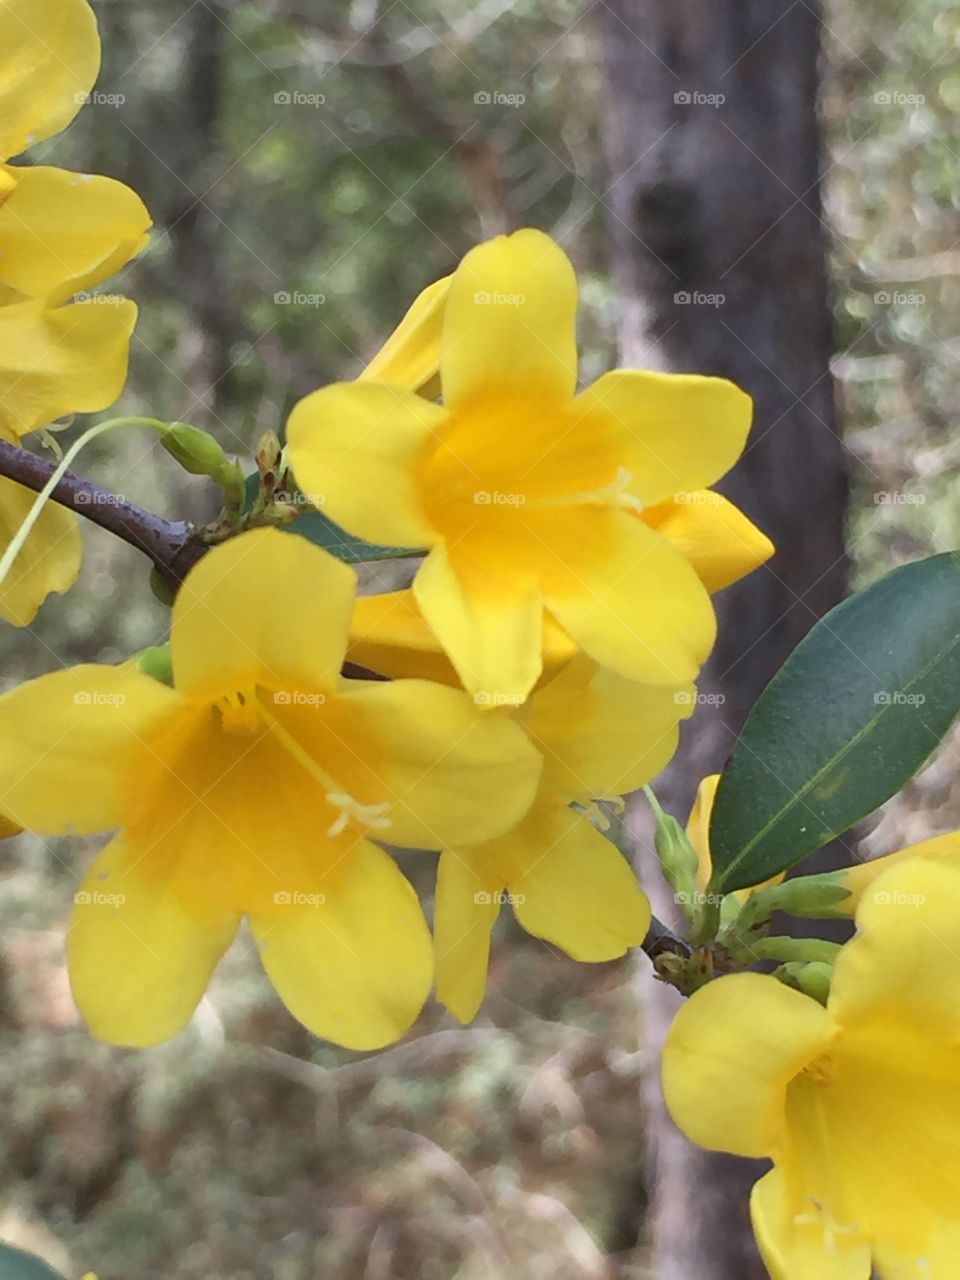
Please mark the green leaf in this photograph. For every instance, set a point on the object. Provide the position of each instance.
(16, 1265)
(852, 715)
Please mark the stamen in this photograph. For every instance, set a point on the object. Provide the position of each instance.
(370, 816)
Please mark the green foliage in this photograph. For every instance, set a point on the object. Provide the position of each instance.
(854, 712)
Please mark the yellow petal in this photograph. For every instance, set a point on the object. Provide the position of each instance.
(357, 967)
(731, 1052)
(390, 635)
(52, 363)
(466, 908)
(637, 608)
(49, 560)
(681, 431)
(510, 323)
(573, 887)
(714, 535)
(264, 608)
(8, 828)
(602, 736)
(354, 448)
(49, 59)
(860, 878)
(904, 963)
(490, 624)
(453, 773)
(410, 357)
(139, 961)
(792, 1240)
(698, 827)
(64, 738)
(64, 232)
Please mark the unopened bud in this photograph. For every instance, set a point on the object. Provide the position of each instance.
(821, 897)
(195, 450)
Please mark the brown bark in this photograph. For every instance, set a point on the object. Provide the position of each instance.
(723, 198)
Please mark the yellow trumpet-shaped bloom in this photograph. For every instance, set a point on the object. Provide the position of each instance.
(600, 736)
(60, 232)
(256, 787)
(528, 494)
(857, 1104)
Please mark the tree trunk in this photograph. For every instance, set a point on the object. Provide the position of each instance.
(713, 140)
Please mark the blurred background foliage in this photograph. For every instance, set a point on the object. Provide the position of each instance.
(310, 166)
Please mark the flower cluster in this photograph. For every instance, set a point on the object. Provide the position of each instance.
(277, 764)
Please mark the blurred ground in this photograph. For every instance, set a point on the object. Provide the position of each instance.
(245, 1150)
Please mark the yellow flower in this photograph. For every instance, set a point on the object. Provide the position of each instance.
(255, 788)
(857, 1104)
(526, 493)
(601, 736)
(59, 232)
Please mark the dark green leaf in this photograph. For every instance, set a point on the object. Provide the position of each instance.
(16, 1265)
(853, 713)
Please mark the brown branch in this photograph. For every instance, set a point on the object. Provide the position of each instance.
(172, 545)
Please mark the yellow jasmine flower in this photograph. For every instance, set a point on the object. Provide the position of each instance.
(857, 1104)
(60, 232)
(256, 787)
(526, 493)
(600, 736)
